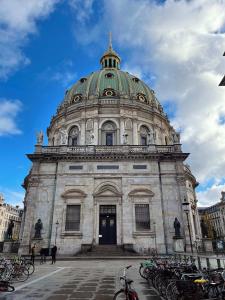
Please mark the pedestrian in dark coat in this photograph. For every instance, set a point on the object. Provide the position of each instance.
(54, 250)
(33, 253)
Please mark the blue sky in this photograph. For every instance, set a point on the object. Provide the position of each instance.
(175, 46)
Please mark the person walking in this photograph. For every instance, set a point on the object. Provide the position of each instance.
(33, 253)
(54, 250)
(43, 256)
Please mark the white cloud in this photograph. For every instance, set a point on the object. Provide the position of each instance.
(83, 9)
(18, 19)
(181, 43)
(211, 195)
(9, 110)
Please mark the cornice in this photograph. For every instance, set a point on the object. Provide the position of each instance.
(54, 157)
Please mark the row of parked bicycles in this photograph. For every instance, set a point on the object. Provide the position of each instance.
(13, 270)
(175, 280)
(182, 280)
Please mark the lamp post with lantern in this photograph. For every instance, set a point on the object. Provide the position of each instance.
(185, 205)
(56, 230)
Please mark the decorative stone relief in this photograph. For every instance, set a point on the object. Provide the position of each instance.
(128, 124)
(63, 136)
(89, 124)
(33, 181)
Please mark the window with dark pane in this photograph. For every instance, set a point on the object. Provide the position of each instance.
(109, 139)
(73, 136)
(144, 141)
(72, 218)
(142, 217)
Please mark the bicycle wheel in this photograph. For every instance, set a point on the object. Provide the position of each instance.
(120, 295)
(141, 272)
(172, 292)
(30, 267)
(10, 288)
(20, 274)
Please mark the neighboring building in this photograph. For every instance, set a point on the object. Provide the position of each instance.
(8, 213)
(113, 171)
(193, 215)
(213, 219)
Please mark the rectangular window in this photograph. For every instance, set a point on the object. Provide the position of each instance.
(139, 167)
(72, 218)
(144, 141)
(109, 139)
(107, 167)
(74, 141)
(142, 217)
(75, 167)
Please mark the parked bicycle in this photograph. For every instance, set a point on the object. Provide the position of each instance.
(181, 280)
(127, 292)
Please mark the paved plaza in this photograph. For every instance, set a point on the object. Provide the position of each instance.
(81, 279)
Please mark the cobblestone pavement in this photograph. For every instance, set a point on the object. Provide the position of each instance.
(80, 280)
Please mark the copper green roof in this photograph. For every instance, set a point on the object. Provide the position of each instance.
(121, 83)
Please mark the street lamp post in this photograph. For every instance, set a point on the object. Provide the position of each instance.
(155, 237)
(186, 210)
(56, 230)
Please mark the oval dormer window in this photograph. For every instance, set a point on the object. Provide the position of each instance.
(141, 97)
(76, 98)
(82, 80)
(109, 93)
(135, 79)
(109, 75)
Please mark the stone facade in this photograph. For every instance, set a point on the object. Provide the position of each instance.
(111, 153)
(8, 213)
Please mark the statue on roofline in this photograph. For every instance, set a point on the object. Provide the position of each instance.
(40, 137)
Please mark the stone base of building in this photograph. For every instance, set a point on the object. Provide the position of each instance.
(178, 244)
(207, 245)
(11, 247)
(24, 250)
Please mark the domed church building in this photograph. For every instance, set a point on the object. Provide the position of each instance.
(112, 173)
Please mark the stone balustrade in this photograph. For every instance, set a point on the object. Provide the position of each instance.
(102, 149)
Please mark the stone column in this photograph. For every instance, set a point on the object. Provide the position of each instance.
(122, 130)
(135, 132)
(82, 132)
(96, 137)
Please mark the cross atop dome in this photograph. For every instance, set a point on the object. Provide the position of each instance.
(110, 59)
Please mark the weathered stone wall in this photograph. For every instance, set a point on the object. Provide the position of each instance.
(57, 185)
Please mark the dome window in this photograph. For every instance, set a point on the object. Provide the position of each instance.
(76, 98)
(144, 132)
(109, 75)
(82, 80)
(73, 137)
(109, 93)
(142, 98)
(135, 79)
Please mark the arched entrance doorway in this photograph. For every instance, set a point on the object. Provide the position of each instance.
(108, 221)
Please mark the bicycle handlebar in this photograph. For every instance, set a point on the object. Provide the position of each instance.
(128, 267)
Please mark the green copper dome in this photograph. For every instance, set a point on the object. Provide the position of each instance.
(110, 82)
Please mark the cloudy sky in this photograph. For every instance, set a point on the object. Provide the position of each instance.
(175, 46)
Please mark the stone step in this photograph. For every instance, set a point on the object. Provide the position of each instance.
(107, 250)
